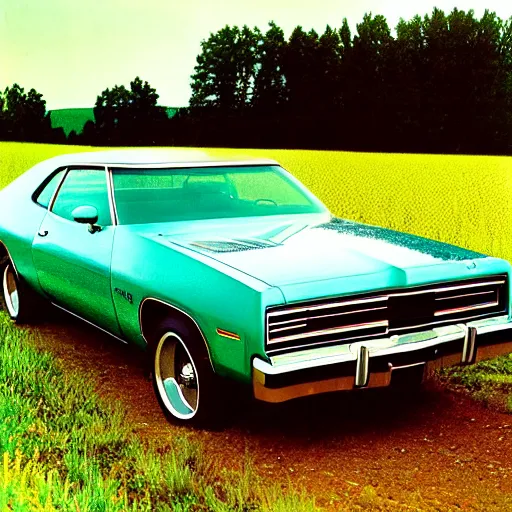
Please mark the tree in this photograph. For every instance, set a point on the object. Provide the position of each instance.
(128, 116)
(270, 84)
(23, 115)
(226, 69)
(301, 71)
(443, 84)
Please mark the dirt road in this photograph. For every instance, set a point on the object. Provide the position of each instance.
(434, 451)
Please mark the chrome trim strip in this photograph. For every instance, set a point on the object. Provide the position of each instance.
(288, 328)
(465, 295)
(322, 344)
(465, 308)
(327, 306)
(430, 324)
(57, 188)
(412, 365)
(348, 328)
(186, 164)
(111, 201)
(450, 288)
(180, 311)
(326, 316)
(89, 322)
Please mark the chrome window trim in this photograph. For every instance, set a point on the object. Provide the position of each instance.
(48, 179)
(111, 198)
(184, 165)
(57, 188)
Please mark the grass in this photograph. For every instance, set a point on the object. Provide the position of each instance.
(489, 382)
(63, 448)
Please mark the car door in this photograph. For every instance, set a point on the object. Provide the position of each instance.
(73, 263)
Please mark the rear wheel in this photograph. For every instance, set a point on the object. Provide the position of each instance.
(16, 298)
(187, 388)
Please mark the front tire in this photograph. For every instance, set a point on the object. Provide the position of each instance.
(187, 388)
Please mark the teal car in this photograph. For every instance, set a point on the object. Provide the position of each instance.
(231, 270)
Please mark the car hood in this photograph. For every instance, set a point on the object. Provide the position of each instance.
(307, 259)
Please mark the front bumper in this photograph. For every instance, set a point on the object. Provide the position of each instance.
(370, 364)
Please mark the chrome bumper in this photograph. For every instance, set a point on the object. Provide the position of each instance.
(370, 364)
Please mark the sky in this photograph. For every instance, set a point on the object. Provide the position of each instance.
(71, 50)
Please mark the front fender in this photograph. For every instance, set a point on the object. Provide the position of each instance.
(214, 295)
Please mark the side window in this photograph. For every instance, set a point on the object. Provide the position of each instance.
(45, 196)
(87, 187)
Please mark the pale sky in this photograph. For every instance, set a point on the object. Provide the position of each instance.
(71, 50)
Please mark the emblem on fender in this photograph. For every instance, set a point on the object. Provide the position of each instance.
(124, 294)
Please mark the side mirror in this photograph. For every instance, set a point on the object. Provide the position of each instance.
(86, 215)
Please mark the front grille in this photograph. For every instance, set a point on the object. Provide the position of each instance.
(385, 313)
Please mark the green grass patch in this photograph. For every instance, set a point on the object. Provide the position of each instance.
(488, 381)
(63, 448)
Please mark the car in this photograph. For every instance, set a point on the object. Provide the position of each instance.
(230, 270)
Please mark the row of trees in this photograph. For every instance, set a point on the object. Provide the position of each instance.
(23, 117)
(443, 83)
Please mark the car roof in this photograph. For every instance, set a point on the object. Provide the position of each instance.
(158, 157)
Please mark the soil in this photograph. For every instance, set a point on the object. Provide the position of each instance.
(430, 450)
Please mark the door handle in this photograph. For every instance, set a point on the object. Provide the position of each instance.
(42, 232)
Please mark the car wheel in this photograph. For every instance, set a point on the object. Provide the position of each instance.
(187, 388)
(16, 299)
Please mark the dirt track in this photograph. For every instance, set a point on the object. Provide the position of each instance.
(436, 451)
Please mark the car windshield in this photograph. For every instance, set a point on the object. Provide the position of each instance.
(163, 195)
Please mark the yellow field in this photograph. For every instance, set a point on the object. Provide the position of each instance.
(464, 200)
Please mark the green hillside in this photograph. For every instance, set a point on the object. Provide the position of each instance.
(75, 118)
(71, 118)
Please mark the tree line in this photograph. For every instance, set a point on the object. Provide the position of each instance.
(23, 117)
(440, 83)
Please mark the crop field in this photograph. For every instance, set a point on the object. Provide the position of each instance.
(464, 200)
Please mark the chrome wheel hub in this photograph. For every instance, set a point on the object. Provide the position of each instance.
(176, 377)
(188, 376)
(10, 290)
